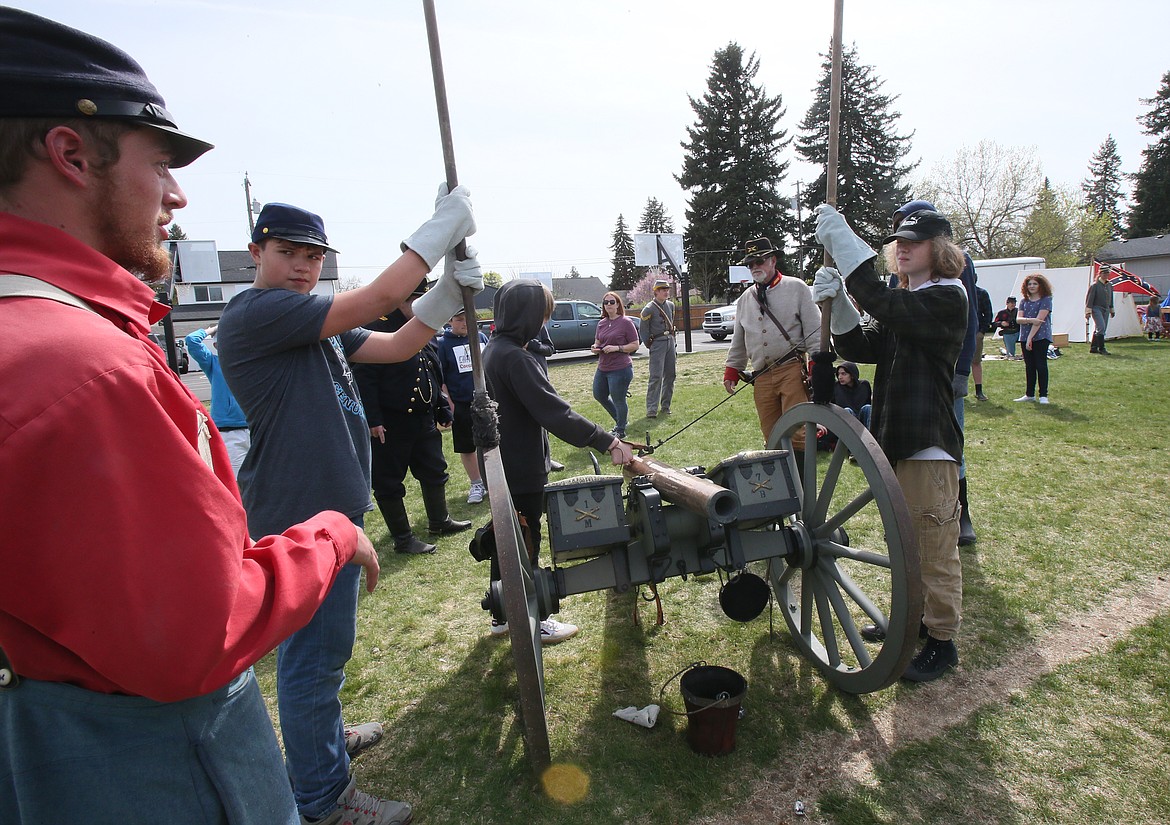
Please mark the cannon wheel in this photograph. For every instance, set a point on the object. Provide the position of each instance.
(521, 610)
(828, 589)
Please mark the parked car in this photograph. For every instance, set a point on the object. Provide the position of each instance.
(181, 356)
(719, 323)
(573, 324)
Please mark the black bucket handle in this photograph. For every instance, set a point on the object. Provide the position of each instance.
(662, 692)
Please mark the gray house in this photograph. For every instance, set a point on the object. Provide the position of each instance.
(1147, 258)
(579, 289)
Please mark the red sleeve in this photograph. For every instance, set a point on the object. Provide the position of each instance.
(127, 564)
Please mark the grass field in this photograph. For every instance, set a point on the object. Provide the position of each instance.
(1057, 713)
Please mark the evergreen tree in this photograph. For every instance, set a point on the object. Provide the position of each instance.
(573, 272)
(622, 246)
(1151, 195)
(654, 218)
(176, 233)
(732, 168)
(871, 174)
(1103, 186)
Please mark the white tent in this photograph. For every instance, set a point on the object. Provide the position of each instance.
(1069, 285)
(998, 275)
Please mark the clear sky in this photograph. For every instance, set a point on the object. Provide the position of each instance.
(567, 114)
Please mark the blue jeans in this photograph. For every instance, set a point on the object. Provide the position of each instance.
(310, 670)
(72, 755)
(959, 416)
(863, 417)
(609, 388)
(1009, 343)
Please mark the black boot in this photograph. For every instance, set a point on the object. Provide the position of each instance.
(440, 521)
(1095, 344)
(966, 528)
(1101, 347)
(398, 523)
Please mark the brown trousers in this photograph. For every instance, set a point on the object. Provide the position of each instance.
(931, 489)
(777, 391)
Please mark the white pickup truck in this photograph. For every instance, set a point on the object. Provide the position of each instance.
(719, 323)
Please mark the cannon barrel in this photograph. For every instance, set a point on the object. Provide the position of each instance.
(699, 495)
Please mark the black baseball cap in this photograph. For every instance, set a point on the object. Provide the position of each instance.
(50, 70)
(921, 226)
(290, 223)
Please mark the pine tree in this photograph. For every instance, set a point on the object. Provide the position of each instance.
(1151, 195)
(732, 168)
(871, 175)
(176, 233)
(622, 246)
(1103, 186)
(655, 219)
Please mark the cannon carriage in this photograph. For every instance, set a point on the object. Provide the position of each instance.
(832, 537)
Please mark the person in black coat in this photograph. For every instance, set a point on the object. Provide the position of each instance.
(404, 402)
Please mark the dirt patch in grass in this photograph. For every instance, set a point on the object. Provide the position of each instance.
(833, 759)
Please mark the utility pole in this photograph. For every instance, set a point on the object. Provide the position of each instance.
(248, 198)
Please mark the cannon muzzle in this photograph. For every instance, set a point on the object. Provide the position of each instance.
(699, 495)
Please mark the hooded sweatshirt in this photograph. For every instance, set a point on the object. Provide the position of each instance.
(857, 394)
(528, 403)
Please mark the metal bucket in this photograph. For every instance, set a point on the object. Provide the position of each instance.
(713, 696)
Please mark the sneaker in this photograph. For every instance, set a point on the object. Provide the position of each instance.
(360, 737)
(499, 628)
(1044, 399)
(555, 466)
(553, 632)
(935, 659)
(357, 808)
(651, 414)
(616, 433)
(980, 396)
(1026, 398)
(476, 493)
(666, 411)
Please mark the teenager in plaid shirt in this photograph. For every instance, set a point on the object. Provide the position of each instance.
(914, 337)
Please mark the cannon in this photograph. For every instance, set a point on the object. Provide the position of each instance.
(834, 537)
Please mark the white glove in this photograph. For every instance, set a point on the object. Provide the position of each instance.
(646, 717)
(827, 285)
(846, 249)
(453, 221)
(445, 298)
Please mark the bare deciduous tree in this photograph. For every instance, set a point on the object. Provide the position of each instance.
(987, 193)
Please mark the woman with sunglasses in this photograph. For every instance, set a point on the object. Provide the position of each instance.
(1035, 320)
(616, 340)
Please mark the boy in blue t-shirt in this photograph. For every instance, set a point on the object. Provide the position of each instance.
(285, 353)
(454, 349)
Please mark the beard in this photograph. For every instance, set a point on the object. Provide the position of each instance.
(134, 248)
(761, 276)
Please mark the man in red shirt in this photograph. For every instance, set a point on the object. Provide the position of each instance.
(129, 618)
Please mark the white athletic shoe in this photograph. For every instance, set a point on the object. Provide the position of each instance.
(553, 632)
(499, 628)
(476, 493)
(1044, 399)
(1027, 398)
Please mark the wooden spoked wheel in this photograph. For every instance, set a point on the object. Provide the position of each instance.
(521, 609)
(857, 557)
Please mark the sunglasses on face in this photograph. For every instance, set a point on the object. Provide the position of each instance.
(754, 262)
(609, 301)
